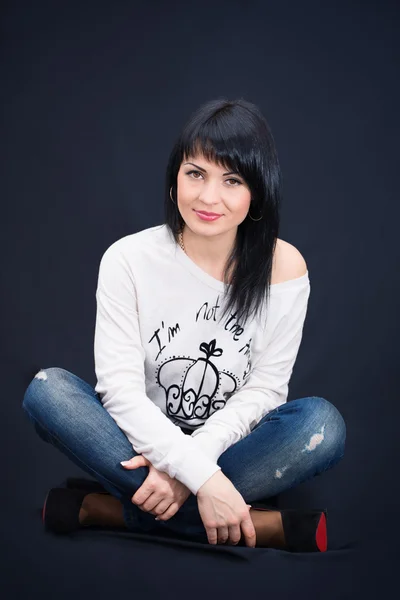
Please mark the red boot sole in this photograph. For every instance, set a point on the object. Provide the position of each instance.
(321, 537)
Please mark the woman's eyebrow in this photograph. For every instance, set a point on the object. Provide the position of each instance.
(204, 171)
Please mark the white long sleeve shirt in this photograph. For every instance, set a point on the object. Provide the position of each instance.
(163, 361)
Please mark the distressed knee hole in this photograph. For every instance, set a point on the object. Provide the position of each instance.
(41, 375)
(315, 440)
(280, 472)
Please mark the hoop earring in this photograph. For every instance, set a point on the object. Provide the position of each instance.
(252, 217)
(170, 190)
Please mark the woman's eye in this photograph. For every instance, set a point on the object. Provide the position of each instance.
(198, 173)
(190, 173)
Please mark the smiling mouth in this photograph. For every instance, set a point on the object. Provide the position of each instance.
(202, 212)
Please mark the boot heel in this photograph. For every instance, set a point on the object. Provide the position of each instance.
(305, 530)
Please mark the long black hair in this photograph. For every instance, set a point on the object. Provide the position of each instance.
(234, 134)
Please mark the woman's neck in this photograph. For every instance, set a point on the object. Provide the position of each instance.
(208, 250)
(208, 253)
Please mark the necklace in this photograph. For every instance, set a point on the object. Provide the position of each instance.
(181, 241)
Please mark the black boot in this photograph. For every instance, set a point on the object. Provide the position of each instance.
(305, 530)
(61, 508)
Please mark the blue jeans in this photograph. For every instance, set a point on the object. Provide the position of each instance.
(291, 444)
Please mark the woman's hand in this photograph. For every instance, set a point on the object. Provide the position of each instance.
(159, 494)
(224, 512)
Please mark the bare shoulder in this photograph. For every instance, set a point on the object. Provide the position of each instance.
(288, 262)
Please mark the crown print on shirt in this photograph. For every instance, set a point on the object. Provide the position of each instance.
(196, 396)
(194, 386)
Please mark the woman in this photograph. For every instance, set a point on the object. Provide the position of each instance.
(198, 326)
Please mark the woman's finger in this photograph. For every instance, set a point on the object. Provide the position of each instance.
(223, 534)
(170, 512)
(249, 532)
(151, 503)
(162, 507)
(212, 535)
(234, 534)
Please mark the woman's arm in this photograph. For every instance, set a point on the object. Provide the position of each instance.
(119, 365)
(268, 383)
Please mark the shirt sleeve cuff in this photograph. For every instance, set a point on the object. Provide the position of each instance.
(210, 446)
(196, 469)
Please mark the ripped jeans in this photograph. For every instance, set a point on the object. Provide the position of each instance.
(291, 444)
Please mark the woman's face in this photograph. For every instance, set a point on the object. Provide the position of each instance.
(204, 186)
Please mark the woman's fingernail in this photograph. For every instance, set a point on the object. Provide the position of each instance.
(124, 463)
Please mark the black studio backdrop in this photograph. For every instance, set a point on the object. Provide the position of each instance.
(93, 95)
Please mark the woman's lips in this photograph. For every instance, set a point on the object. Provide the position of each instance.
(206, 217)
